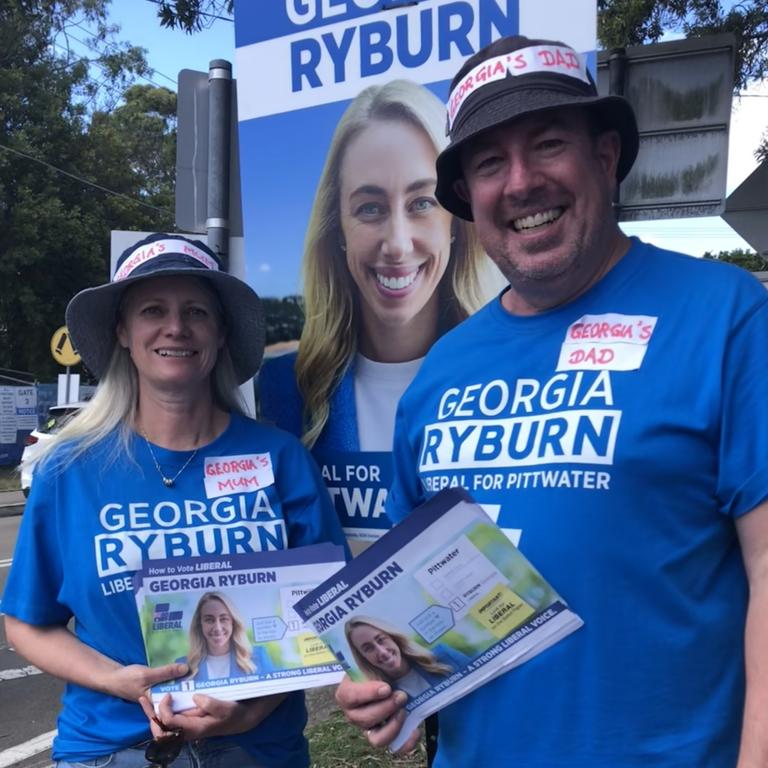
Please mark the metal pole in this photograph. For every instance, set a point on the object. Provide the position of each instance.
(617, 71)
(219, 113)
(66, 388)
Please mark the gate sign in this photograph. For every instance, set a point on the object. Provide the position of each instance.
(62, 349)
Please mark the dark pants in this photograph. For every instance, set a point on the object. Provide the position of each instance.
(430, 731)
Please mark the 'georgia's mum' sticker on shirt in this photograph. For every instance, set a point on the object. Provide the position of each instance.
(609, 342)
(225, 475)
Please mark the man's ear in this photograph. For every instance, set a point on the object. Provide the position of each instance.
(461, 189)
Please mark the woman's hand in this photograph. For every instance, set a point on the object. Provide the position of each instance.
(210, 716)
(55, 650)
(376, 709)
(133, 681)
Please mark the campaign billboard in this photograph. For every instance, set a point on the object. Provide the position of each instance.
(300, 63)
(342, 113)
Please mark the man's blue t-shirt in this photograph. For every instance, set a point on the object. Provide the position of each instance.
(87, 528)
(617, 438)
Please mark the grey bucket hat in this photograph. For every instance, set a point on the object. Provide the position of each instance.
(91, 315)
(516, 76)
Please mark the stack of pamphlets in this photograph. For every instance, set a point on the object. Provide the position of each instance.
(231, 618)
(438, 606)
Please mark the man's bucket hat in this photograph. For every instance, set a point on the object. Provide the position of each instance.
(91, 315)
(515, 76)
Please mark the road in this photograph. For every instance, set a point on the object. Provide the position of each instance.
(29, 699)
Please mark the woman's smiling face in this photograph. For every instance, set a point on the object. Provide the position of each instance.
(379, 650)
(216, 625)
(396, 235)
(171, 327)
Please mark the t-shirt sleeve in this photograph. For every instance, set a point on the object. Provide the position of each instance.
(406, 492)
(743, 450)
(33, 587)
(307, 504)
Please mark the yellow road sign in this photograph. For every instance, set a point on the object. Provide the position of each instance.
(61, 347)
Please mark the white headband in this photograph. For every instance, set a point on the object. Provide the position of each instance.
(557, 59)
(157, 248)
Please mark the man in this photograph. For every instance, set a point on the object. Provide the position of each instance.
(611, 409)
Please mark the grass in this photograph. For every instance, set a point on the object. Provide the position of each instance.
(9, 479)
(334, 743)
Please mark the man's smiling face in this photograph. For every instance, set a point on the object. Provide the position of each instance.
(540, 187)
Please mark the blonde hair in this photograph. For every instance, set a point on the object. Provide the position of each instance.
(112, 410)
(239, 642)
(329, 339)
(414, 654)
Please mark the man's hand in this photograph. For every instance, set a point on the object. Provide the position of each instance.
(376, 709)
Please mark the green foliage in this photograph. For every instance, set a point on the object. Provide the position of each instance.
(284, 318)
(745, 259)
(634, 22)
(192, 15)
(69, 133)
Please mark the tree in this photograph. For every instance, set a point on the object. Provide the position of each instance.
(192, 15)
(66, 146)
(284, 318)
(745, 259)
(634, 22)
(133, 150)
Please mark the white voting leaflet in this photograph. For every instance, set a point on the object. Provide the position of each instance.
(449, 588)
(461, 575)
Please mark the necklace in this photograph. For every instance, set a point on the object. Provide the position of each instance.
(168, 482)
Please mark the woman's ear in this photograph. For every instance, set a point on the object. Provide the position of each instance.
(122, 335)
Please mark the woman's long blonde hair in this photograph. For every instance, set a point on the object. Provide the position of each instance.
(239, 642)
(412, 653)
(329, 339)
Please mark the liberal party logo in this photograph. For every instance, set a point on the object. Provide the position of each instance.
(164, 618)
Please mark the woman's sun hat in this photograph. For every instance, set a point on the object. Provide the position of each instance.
(516, 76)
(91, 315)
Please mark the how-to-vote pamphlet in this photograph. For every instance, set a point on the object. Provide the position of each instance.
(231, 619)
(438, 606)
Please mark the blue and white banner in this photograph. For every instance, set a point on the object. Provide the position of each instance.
(358, 483)
(300, 63)
(18, 417)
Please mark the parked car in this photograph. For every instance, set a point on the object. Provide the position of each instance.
(37, 438)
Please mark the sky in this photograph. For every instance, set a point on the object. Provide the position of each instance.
(169, 51)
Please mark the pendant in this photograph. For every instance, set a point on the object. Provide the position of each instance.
(168, 482)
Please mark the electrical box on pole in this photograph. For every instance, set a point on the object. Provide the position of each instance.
(681, 92)
(192, 154)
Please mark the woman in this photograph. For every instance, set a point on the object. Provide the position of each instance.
(146, 471)
(218, 644)
(386, 272)
(384, 653)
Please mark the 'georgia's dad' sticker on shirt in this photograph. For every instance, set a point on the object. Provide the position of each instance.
(237, 474)
(608, 342)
